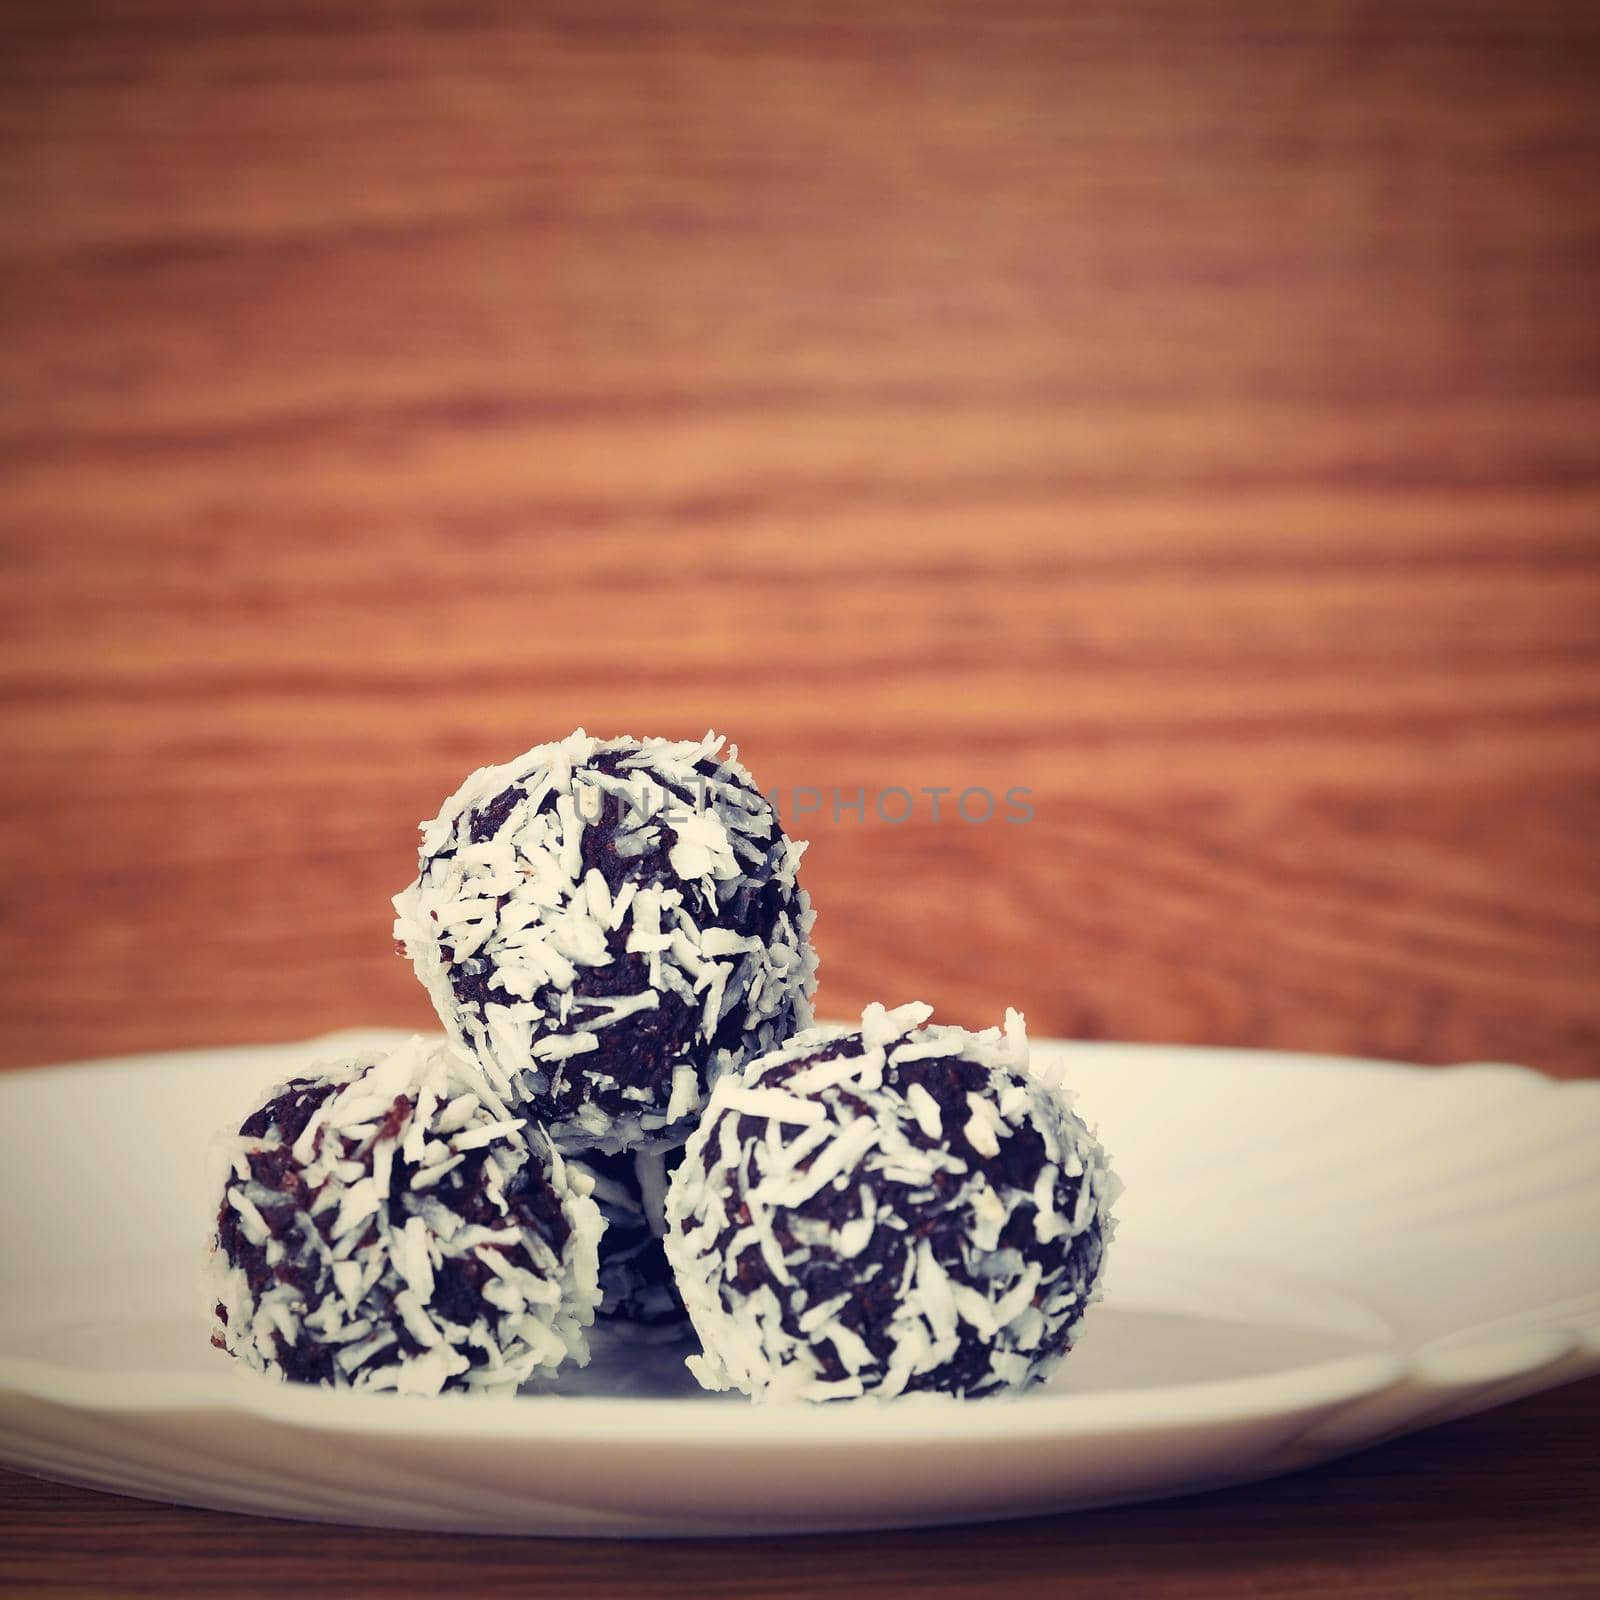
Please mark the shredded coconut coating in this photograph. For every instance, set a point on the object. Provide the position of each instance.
(609, 927)
(889, 1209)
(639, 1300)
(390, 1223)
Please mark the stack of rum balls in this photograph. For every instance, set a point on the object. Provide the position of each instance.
(634, 1120)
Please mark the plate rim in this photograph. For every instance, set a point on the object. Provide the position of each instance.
(733, 1423)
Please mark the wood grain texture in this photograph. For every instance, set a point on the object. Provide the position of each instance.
(1187, 413)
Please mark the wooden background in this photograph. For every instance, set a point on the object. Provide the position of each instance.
(1188, 412)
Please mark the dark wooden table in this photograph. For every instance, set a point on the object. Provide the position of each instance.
(1188, 413)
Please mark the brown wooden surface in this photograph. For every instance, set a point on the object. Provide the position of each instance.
(1188, 412)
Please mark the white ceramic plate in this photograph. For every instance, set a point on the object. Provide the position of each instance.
(1313, 1254)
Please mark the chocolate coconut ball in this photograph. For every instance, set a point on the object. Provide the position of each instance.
(389, 1223)
(884, 1210)
(608, 927)
(638, 1295)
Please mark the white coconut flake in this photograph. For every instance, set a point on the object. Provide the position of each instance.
(981, 1129)
(475, 1138)
(559, 1046)
(774, 1103)
(925, 1109)
(606, 1012)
